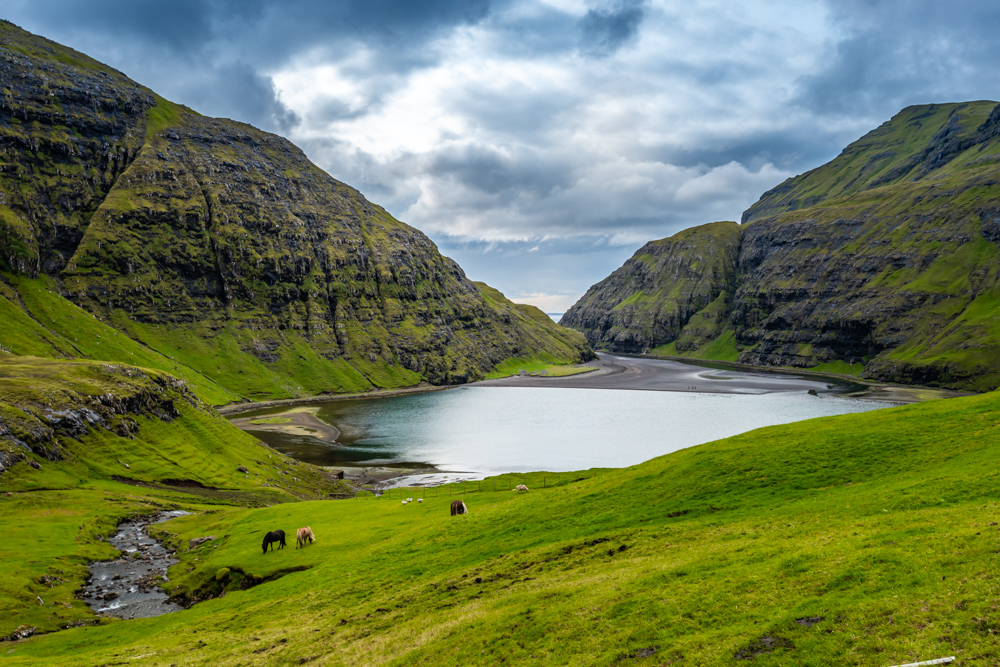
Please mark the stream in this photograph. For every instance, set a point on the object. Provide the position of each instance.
(128, 586)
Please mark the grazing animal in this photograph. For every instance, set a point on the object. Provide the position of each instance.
(520, 488)
(303, 534)
(272, 537)
(458, 507)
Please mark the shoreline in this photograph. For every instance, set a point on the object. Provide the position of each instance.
(873, 390)
(249, 406)
(297, 417)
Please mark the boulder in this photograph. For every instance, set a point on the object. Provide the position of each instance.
(198, 541)
(22, 632)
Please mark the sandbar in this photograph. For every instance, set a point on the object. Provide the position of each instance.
(298, 420)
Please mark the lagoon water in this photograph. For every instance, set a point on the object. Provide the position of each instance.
(491, 430)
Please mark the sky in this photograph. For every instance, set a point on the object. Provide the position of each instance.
(540, 143)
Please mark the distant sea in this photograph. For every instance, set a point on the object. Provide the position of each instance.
(555, 316)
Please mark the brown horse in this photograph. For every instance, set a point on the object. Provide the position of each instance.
(303, 534)
(458, 507)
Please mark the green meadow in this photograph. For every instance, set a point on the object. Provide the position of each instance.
(866, 539)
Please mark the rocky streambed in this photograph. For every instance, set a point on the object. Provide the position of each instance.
(129, 586)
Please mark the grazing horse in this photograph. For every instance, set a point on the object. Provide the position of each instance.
(458, 507)
(274, 536)
(303, 534)
(520, 488)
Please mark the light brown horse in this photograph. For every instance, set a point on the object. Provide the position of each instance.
(458, 507)
(303, 534)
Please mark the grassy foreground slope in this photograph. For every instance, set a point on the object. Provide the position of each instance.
(83, 444)
(866, 539)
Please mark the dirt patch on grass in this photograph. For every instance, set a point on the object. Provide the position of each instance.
(765, 644)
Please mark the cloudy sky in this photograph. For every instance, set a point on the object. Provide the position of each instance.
(541, 142)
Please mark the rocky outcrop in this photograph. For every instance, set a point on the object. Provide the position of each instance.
(223, 246)
(888, 257)
(37, 419)
(651, 299)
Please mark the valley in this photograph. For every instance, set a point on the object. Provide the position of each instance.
(198, 322)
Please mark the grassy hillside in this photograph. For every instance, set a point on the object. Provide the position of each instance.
(863, 539)
(83, 444)
(885, 256)
(674, 289)
(220, 249)
(886, 259)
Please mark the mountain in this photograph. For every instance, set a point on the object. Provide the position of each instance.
(677, 288)
(219, 251)
(883, 262)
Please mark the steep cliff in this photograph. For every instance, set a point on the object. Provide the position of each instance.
(886, 256)
(222, 248)
(652, 298)
(886, 259)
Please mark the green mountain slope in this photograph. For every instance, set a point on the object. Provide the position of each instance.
(222, 248)
(886, 258)
(653, 297)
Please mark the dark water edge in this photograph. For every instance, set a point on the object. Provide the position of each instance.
(129, 586)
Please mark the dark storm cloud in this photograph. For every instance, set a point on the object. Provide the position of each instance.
(494, 172)
(283, 28)
(788, 149)
(605, 30)
(246, 94)
(892, 53)
(209, 54)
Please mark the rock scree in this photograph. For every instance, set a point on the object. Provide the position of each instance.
(128, 586)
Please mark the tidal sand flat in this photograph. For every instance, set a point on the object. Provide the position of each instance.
(645, 374)
(300, 421)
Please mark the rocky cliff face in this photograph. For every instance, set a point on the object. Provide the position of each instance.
(887, 257)
(653, 296)
(223, 247)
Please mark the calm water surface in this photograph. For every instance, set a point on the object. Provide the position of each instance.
(493, 430)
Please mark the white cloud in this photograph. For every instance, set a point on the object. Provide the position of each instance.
(549, 303)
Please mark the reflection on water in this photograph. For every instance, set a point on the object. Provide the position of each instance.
(512, 429)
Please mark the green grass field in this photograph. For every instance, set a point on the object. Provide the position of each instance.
(881, 524)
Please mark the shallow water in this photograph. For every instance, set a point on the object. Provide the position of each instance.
(126, 587)
(492, 430)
